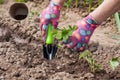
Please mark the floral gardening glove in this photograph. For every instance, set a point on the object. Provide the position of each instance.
(80, 37)
(49, 15)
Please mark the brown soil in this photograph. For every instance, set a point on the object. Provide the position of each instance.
(21, 56)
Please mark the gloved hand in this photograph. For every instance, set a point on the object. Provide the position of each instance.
(49, 15)
(80, 37)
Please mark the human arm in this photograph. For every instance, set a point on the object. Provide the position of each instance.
(105, 10)
(85, 27)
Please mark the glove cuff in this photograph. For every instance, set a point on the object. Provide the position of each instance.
(91, 21)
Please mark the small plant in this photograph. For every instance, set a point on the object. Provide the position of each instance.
(77, 2)
(87, 55)
(1, 1)
(63, 34)
(114, 63)
(69, 3)
(21, 0)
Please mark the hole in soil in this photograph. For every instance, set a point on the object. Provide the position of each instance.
(18, 11)
(20, 17)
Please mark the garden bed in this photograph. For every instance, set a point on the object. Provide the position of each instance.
(21, 56)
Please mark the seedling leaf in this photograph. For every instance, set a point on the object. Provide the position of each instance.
(58, 36)
(114, 63)
(54, 31)
(21, 0)
(1, 1)
(84, 54)
(65, 37)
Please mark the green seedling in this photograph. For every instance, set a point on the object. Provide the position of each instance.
(87, 55)
(1, 1)
(85, 3)
(21, 0)
(77, 2)
(90, 5)
(114, 63)
(67, 4)
(63, 34)
(117, 18)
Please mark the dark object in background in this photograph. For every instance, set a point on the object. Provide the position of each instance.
(18, 11)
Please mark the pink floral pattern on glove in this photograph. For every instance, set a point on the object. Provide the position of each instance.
(49, 15)
(80, 37)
